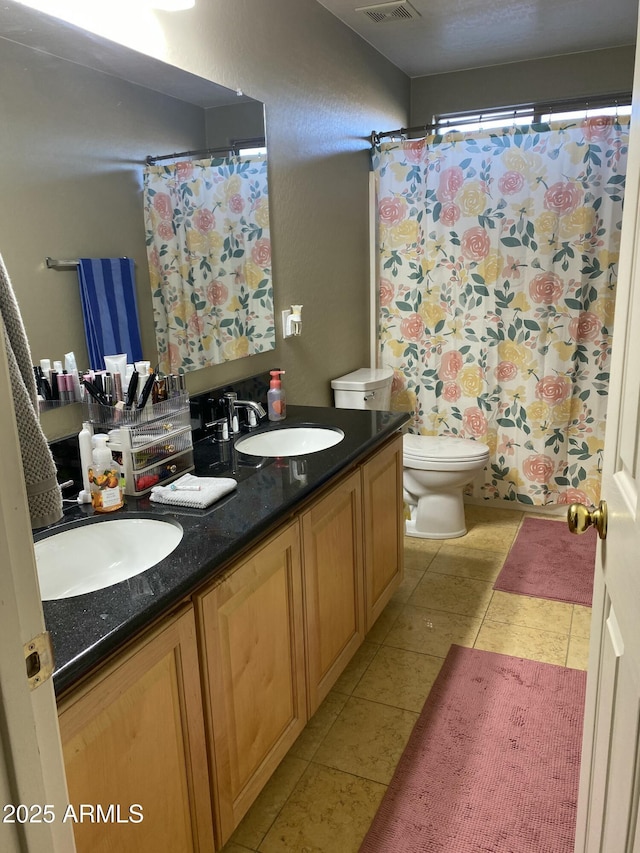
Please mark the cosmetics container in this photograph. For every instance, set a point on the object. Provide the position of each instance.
(55, 387)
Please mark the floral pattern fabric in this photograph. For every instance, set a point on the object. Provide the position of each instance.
(209, 253)
(498, 256)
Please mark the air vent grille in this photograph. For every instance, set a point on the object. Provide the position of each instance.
(382, 13)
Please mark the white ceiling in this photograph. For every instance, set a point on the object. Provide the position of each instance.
(453, 35)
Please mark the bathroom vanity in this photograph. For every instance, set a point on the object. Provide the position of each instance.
(181, 689)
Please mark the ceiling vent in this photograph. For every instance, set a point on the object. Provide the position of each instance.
(383, 13)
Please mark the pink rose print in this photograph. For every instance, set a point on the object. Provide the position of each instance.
(451, 180)
(574, 496)
(451, 392)
(392, 210)
(217, 293)
(563, 197)
(386, 291)
(538, 468)
(474, 421)
(597, 127)
(204, 220)
(398, 383)
(165, 231)
(585, 327)
(154, 259)
(261, 252)
(163, 206)
(475, 243)
(236, 203)
(414, 150)
(505, 371)
(546, 288)
(175, 359)
(510, 183)
(553, 389)
(450, 365)
(449, 214)
(196, 324)
(412, 327)
(184, 170)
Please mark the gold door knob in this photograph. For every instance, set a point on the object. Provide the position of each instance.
(579, 518)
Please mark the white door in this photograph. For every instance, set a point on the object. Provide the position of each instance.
(31, 767)
(607, 819)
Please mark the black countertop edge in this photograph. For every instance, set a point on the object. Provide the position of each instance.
(86, 629)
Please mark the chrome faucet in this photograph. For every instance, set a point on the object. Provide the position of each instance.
(228, 425)
(255, 411)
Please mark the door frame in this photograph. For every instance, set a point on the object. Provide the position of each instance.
(31, 762)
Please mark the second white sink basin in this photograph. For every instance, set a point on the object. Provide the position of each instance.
(97, 554)
(290, 441)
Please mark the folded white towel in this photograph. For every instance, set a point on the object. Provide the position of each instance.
(196, 492)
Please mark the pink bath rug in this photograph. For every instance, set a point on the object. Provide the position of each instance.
(548, 561)
(492, 764)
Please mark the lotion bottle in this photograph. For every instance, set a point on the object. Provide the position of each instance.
(104, 478)
(276, 399)
(85, 444)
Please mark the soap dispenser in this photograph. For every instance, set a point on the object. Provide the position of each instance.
(276, 399)
(104, 478)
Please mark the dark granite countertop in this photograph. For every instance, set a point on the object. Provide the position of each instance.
(85, 629)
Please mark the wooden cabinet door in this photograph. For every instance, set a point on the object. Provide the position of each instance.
(252, 644)
(383, 527)
(134, 736)
(333, 585)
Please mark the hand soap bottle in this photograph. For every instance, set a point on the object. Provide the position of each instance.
(276, 399)
(104, 478)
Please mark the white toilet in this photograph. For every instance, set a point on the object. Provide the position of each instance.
(436, 469)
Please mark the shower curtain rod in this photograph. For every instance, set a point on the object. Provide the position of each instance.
(150, 161)
(561, 105)
(201, 152)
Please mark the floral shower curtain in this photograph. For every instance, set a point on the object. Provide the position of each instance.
(498, 257)
(209, 252)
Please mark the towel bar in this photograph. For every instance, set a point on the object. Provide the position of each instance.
(54, 264)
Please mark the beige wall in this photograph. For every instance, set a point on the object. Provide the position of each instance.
(324, 91)
(575, 75)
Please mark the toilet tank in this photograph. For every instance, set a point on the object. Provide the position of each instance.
(367, 388)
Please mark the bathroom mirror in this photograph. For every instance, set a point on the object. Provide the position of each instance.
(76, 130)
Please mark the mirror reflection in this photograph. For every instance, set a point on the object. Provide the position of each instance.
(76, 184)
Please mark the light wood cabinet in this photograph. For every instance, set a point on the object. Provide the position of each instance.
(134, 735)
(252, 653)
(383, 528)
(333, 585)
(186, 728)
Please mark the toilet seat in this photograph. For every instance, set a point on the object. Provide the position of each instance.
(429, 452)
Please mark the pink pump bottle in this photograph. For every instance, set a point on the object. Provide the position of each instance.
(276, 399)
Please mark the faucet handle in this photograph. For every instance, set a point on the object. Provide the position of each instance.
(221, 429)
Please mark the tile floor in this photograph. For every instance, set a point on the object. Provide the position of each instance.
(327, 789)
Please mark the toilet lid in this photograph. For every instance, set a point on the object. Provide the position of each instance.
(364, 379)
(446, 448)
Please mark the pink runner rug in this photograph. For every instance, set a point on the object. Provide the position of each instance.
(548, 561)
(492, 764)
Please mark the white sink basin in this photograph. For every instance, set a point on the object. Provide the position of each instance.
(290, 441)
(95, 555)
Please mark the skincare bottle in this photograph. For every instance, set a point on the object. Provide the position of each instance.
(85, 445)
(276, 399)
(104, 478)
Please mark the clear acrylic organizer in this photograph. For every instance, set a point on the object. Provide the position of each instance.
(156, 443)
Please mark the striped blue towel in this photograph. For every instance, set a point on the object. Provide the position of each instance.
(109, 308)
